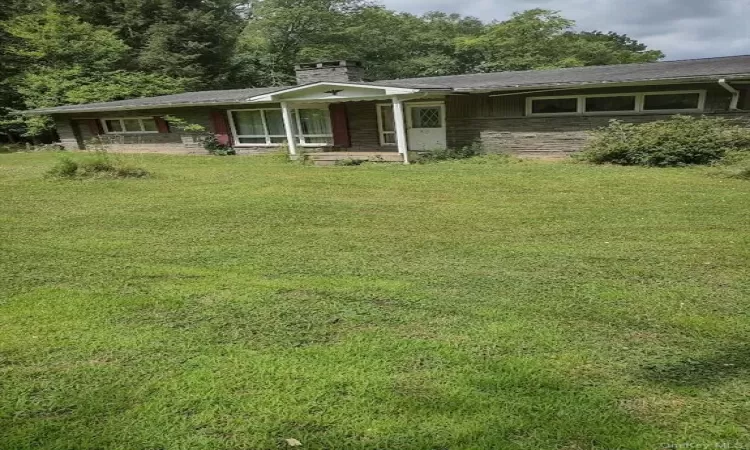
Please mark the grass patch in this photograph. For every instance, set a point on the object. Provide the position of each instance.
(237, 303)
(95, 165)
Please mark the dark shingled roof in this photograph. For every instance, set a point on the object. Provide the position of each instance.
(709, 68)
(225, 97)
(694, 69)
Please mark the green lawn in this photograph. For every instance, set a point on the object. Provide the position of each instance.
(232, 303)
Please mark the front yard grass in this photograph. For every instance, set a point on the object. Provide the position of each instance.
(233, 303)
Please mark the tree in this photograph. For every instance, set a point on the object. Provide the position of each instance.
(188, 39)
(539, 39)
(67, 61)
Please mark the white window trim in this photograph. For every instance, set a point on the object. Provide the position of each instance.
(122, 125)
(410, 106)
(640, 98)
(381, 129)
(300, 137)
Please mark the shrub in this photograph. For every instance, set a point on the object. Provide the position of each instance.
(469, 151)
(99, 165)
(211, 143)
(208, 140)
(64, 168)
(677, 141)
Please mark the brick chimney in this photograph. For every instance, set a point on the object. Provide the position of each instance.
(340, 71)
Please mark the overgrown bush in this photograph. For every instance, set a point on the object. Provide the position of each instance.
(677, 141)
(212, 145)
(208, 140)
(469, 151)
(64, 168)
(97, 165)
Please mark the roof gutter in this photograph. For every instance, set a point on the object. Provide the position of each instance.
(735, 94)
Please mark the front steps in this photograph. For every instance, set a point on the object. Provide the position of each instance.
(332, 158)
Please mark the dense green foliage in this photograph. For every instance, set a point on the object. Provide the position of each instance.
(233, 304)
(55, 52)
(677, 141)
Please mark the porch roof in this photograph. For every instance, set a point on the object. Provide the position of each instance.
(707, 69)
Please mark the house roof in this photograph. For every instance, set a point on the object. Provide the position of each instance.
(686, 70)
(223, 97)
(694, 69)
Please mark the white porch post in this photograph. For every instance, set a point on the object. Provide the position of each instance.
(286, 115)
(398, 117)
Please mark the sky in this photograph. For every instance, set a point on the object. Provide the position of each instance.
(682, 29)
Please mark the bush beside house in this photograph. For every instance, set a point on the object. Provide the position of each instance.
(677, 141)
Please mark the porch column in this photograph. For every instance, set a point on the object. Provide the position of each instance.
(398, 117)
(286, 115)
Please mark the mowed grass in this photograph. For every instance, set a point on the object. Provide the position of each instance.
(233, 303)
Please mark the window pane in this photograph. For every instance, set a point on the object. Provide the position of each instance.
(389, 138)
(113, 126)
(426, 117)
(655, 102)
(315, 121)
(278, 140)
(132, 125)
(149, 125)
(275, 122)
(619, 103)
(554, 106)
(248, 123)
(387, 117)
(246, 140)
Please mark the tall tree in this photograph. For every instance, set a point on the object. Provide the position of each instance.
(539, 38)
(189, 39)
(69, 61)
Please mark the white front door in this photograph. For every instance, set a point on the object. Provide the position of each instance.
(425, 123)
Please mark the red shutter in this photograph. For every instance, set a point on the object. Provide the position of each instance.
(221, 127)
(161, 124)
(95, 127)
(340, 125)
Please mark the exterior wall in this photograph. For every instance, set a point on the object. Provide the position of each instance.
(171, 142)
(363, 128)
(500, 124)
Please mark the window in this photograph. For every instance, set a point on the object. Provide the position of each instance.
(426, 117)
(266, 126)
(562, 105)
(250, 127)
(315, 125)
(672, 101)
(689, 101)
(130, 125)
(386, 125)
(611, 104)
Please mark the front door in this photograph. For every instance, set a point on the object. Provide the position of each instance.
(425, 124)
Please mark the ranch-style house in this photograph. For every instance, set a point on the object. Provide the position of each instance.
(334, 111)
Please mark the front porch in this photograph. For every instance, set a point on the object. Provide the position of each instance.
(329, 122)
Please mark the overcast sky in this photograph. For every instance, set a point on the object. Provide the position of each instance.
(680, 28)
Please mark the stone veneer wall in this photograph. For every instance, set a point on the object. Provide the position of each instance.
(500, 125)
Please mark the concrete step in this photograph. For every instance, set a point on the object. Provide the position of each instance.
(356, 156)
